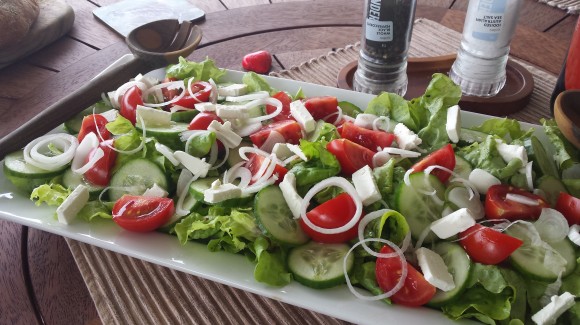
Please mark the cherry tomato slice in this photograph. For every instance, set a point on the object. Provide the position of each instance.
(321, 107)
(100, 173)
(142, 214)
(350, 155)
(444, 157)
(201, 91)
(131, 99)
(488, 246)
(289, 129)
(367, 138)
(569, 206)
(416, 291)
(498, 207)
(255, 163)
(91, 123)
(333, 213)
(283, 97)
(202, 120)
(169, 94)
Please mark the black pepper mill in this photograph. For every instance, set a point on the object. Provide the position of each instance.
(382, 64)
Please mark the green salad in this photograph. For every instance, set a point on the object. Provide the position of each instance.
(396, 200)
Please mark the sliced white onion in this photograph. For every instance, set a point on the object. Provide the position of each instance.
(406, 178)
(338, 115)
(396, 288)
(213, 95)
(169, 85)
(179, 210)
(574, 234)
(262, 170)
(182, 181)
(123, 89)
(348, 188)
(347, 118)
(552, 225)
(529, 180)
(224, 160)
(363, 224)
(99, 153)
(365, 120)
(255, 188)
(167, 153)
(191, 92)
(68, 145)
(521, 199)
(264, 101)
(238, 171)
(402, 152)
(384, 120)
(381, 158)
(89, 143)
(245, 98)
(273, 138)
(268, 172)
(244, 151)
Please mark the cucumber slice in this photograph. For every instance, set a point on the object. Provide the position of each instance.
(136, 176)
(71, 180)
(318, 265)
(234, 156)
(420, 209)
(24, 176)
(462, 167)
(529, 259)
(349, 108)
(184, 116)
(168, 136)
(459, 265)
(552, 187)
(275, 218)
(199, 186)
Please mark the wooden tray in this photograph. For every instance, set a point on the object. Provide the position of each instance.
(514, 96)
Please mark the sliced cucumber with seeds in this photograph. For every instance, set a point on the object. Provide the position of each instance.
(25, 176)
(168, 136)
(71, 180)
(419, 207)
(459, 265)
(136, 176)
(275, 218)
(320, 266)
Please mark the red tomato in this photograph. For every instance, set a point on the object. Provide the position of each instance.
(498, 207)
(256, 161)
(444, 157)
(350, 155)
(283, 97)
(167, 93)
(91, 123)
(141, 213)
(488, 246)
(367, 138)
(321, 107)
(200, 89)
(569, 206)
(100, 173)
(416, 291)
(333, 213)
(129, 102)
(289, 129)
(202, 120)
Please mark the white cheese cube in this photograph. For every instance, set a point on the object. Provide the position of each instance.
(148, 81)
(114, 101)
(453, 125)
(510, 152)
(297, 151)
(233, 90)
(554, 309)
(288, 188)
(195, 165)
(453, 223)
(281, 151)
(406, 139)
(365, 185)
(155, 191)
(73, 204)
(153, 117)
(302, 116)
(232, 111)
(482, 180)
(110, 115)
(225, 134)
(221, 192)
(365, 120)
(434, 269)
(205, 107)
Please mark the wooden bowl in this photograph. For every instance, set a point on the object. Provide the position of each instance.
(567, 115)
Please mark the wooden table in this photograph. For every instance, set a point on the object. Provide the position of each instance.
(39, 281)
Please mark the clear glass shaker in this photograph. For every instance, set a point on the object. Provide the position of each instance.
(482, 57)
(382, 64)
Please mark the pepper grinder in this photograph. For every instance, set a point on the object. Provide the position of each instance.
(382, 64)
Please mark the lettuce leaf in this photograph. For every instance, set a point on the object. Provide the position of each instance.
(502, 127)
(441, 87)
(393, 106)
(94, 209)
(485, 156)
(255, 82)
(52, 194)
(321, 164)
(566, 155)
(204, 70)
(127, 137)
(434, 135)
(364, 275)
(270, 263)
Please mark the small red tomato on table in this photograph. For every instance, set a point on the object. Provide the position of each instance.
(259, 62)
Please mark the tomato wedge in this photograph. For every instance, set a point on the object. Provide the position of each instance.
(169, 94)
(488, 246)
(100, 173)
(201, 91)
(333, 213)
(289, 129)
(321, 107)
(416, 291)
(444, 157)
(283, 97)
(142, 214)
(131, 99)
(92, 123)
(350, 155)
(569, 206)
(254, 164)
(367, 138)
(498, 207)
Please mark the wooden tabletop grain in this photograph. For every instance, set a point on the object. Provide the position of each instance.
(39, 281)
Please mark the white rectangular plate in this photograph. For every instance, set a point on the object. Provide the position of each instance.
(229, 269)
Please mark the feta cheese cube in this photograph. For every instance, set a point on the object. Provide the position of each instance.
(288, 187)
(232, 111)
(453, 125)
(73, 204)
(297, 151)
(365, 120)
(406, 139)
(155, 191)
(482, 180)
(453, 223)
(510, 152)
(153, 117)
(434, 269)
(281, 151)
(225, 134)
(302, 116)
(233, 90)
(554, 309)
(365, 185)
(205, 107)
(220, 192)
(195, 165)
